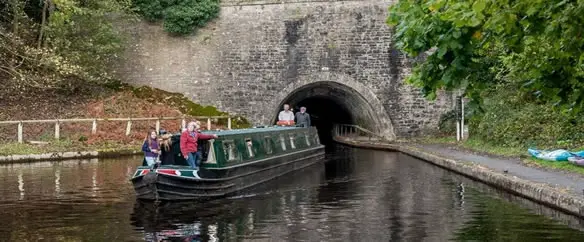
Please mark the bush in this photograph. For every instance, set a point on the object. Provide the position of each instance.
(513, 122)
(180, 17)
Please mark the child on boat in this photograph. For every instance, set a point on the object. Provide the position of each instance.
(151, 148)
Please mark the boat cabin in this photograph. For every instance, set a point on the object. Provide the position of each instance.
(234, 147)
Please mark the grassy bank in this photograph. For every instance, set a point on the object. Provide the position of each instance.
(485, 148)
(122, 101)
(63, 146)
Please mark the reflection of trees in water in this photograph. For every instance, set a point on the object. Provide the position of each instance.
(69, 179)
(74, 199)
(493, 220)
(368, 196)
(244, 215)
(363, 196)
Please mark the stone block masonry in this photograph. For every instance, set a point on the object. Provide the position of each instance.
(246, 61)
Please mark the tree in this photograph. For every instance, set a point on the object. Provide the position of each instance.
(532, 45)
(56, 43)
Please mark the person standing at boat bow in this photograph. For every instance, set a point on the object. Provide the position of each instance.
(188, 143)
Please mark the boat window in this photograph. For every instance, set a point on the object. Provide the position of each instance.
(283, 142)
(268, 145)
(249, 145)
(229, 148)
(292, 141)
(307, 138)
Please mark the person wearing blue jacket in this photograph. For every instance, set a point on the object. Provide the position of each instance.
(151, 148)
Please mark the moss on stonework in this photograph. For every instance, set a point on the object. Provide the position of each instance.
(185, 105)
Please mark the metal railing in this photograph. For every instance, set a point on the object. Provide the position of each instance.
(94, 121)
(355, 132)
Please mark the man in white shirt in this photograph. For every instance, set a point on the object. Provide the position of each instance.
(286, 115)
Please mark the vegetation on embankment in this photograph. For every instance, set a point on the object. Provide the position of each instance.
(180, 17)
(64, 145)
(521, 65)
(56, 60)
(126, 102)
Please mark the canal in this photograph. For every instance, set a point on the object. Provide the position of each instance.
(357, 195)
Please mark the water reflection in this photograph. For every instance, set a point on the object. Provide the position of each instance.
(362, 196)
(357, 196)
(60, 180)
(20, 185)
(232, 217)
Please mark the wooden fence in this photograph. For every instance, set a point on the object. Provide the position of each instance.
(94, 121)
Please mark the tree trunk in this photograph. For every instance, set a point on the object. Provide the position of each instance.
(50, 9)
(43, 23)
(15, 16)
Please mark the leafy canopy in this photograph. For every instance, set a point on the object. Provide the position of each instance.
(180, 17)
(535, 46)
(59, 43)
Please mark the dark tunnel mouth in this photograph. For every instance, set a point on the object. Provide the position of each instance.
(325, 112)
(329, 103)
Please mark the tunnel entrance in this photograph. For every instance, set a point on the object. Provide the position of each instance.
(325, 112)
(329, 103)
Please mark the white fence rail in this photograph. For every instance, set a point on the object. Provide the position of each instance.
(355, 131)
(94, 122)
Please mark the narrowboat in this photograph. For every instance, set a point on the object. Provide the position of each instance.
(235, 161)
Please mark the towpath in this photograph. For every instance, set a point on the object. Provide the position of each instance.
(574, 183)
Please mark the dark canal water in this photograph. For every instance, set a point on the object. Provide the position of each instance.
(358, 195)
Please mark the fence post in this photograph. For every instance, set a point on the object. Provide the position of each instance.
(128, 127)
(158, 125)
(94, 127)
(183, 125)
(57, 130)
(20, 132)
(229, 123)
(208, 123)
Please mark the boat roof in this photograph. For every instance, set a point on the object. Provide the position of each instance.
(250, 130)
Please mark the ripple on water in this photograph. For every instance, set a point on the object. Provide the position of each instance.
(358, 196)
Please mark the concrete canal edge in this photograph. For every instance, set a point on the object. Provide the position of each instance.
(538, 192)
(65, 156)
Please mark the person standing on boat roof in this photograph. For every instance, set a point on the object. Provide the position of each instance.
(188, 143)
(286, 114)
(303, 118)
(151, 148)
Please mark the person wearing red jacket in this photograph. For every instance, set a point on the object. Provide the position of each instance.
(188, 143)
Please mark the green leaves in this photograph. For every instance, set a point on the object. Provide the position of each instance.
(180, 17)
(534, 42)
(82, 33)
(478, 6)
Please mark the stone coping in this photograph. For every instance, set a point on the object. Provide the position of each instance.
(538, 192)
(65, 156)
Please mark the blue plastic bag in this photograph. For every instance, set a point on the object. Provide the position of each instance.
(555, 155)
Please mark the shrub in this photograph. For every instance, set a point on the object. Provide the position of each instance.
(179, 17)
(513, 122)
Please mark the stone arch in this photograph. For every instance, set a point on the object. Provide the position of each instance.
(340, 93)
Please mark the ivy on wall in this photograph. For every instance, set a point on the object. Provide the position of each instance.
(180, 17)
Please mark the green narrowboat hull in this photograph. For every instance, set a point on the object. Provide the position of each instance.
(236, 161)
